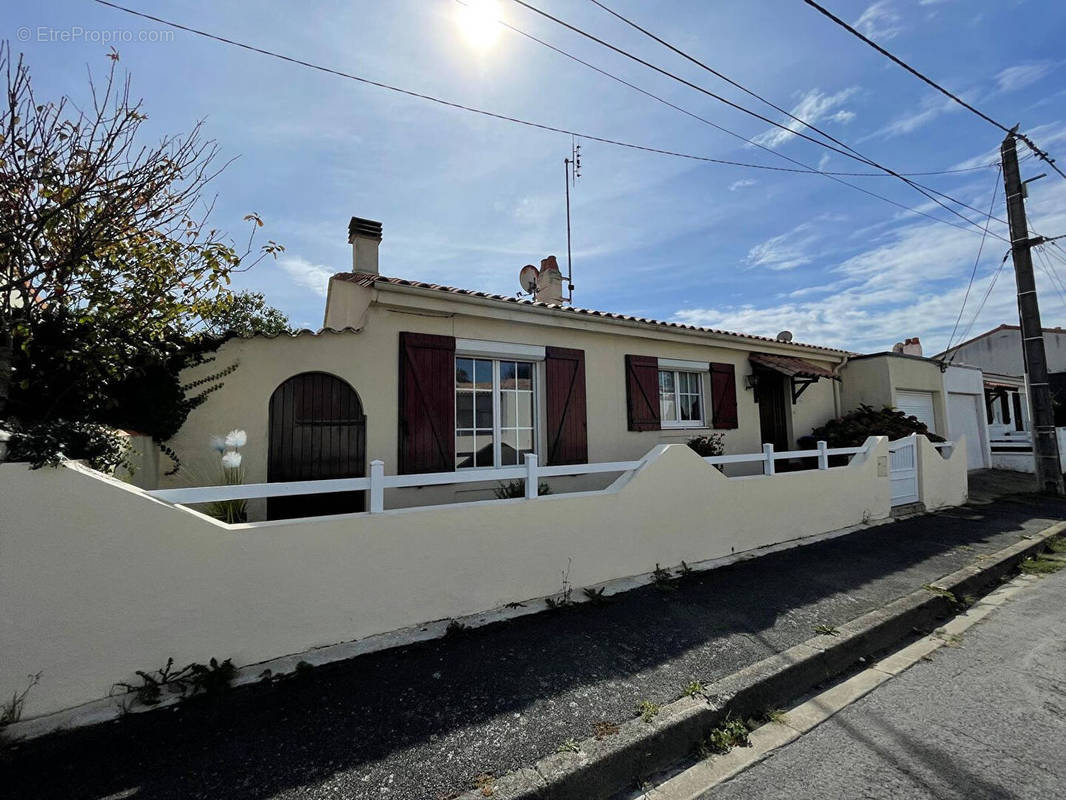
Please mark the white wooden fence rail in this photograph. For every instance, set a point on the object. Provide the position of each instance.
(530, 473)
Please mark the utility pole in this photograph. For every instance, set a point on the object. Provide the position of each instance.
(1045, 443)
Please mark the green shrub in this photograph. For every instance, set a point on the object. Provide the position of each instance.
(852, 429)
(43, 444)
(709, 445)
(509, 490)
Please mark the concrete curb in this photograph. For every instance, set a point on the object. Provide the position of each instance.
(604, 766)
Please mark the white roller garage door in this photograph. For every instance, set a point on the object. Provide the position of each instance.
(962, 421)
(917, 404)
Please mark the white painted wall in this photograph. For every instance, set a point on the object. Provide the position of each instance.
(966, 413)
(98, 580)
(942, 480)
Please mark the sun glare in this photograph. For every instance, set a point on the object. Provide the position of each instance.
(478, 22)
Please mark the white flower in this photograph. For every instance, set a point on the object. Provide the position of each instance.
(218, 443)
(236, 438)
(231, 460)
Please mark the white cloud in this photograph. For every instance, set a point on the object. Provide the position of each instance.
(931, 107)
(812, 107)
(1022, 75)
(741, 184)
(307, 275)
(880, 21)
(912, 284)
(786, 251)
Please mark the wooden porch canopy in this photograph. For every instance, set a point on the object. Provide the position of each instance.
(803, 373)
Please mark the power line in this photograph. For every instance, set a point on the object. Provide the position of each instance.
(913, 184)
(807, 168)
(916, 186)
(984, 300)
(503, 117)
(1051, 272)
(976, 261)
(1043, 155)
(440, 101)
(704, 120)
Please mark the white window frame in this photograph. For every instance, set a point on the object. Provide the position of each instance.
(698, 368)
(495, 352)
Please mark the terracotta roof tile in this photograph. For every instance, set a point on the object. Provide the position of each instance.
(369, 279)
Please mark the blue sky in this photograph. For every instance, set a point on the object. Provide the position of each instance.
(467, 201)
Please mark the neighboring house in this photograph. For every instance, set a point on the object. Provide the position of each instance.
(998, 353)
(948, 400)
(432, 378)
(911, 383)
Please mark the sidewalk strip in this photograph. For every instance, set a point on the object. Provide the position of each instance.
(694, 782)
(640, 749)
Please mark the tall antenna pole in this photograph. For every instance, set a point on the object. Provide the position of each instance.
(573, 162)
(1045, 442)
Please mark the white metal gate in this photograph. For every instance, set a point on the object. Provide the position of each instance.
(903, 470)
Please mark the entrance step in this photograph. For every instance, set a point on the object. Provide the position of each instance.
(907, 510)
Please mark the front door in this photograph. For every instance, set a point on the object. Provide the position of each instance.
(773, 411)
(317, 432)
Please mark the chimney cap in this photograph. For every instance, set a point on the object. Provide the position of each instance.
(366, 228)
(549, 263)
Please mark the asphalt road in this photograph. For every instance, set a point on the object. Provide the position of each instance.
(420, 722)
(984, 720)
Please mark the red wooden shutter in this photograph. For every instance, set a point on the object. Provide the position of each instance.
(427, 403)
(642, 393)
(724, 395)
(565, 414)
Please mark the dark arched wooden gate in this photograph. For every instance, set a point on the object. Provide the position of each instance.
(317, 431)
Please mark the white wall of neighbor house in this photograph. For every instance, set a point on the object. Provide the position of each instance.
(368, 360)
(98, 580)
(1001, 352)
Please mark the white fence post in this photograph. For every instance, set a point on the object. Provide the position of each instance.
(823, 455)
(532, 480)
(377, 486)
(768, 454)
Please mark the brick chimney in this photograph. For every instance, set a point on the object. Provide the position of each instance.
(364, 235)
(550, 282)
(908, 347)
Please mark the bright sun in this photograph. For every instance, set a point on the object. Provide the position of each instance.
(478, 22)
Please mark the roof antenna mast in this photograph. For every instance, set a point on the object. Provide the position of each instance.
(572, 167)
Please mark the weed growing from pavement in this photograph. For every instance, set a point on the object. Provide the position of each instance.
(1039, 565)
(562, 600)
(569, 746)
(827, 630)
(1056, 544)
(455, 628)
(485, 784)
(663, 580)
(605, 729)
(694, 689)
(11, 711)
(210, 679)
(949, 639)
(777, 715)
(648, 710)
(595, 596)
(946, 594)
(731, 733)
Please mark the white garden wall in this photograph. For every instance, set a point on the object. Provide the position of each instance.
(97, 579)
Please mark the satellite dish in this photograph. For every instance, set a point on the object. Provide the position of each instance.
(784, 336)
(527, 278)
